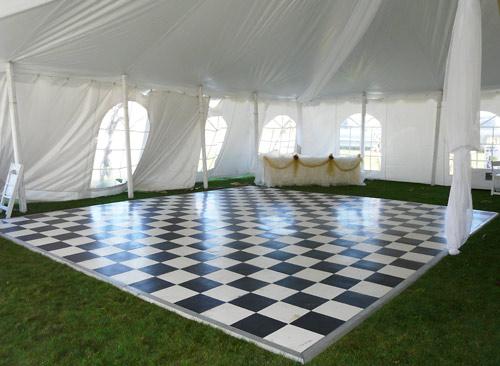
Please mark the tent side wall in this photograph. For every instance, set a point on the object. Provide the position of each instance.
(408, 127)
(60, 119)
(59, 124)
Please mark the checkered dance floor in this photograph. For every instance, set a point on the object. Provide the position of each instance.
(290, 271)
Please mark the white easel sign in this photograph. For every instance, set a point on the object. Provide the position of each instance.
(11, 189)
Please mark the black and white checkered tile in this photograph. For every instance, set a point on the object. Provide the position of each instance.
(283, 268)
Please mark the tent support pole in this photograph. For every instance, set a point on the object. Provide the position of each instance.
(14, 122)
(202, 134)
(300, 127)
(363, 123)
(436, 139)
(130, 182)
(256, 125)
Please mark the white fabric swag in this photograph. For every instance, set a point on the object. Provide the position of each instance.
(460, 114)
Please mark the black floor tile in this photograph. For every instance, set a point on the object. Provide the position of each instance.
(80, 257)
(355, 299)
(305, 301)
(328, 267)
(162, 256)
(244, 269)
(383, 279)
(122, 256)
(199, 303)
(368, 265)
(354, 253)
(200, 284)
(157, 269)
(259, 325)
(340, 281)
(407, 264)
(248, 284)
(318, 323)
(241, 256)
(253, 302)
(113, 269)
(295, 283)
(287, 268)
(151, 285)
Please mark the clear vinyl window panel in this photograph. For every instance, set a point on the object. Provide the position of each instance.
(278, 135)
(350, 140)
(489, 143)
(215, 134)
(110, 160)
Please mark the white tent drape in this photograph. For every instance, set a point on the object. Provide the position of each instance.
(173, 148)
(460, 114)
(59, 120)
(237, 150)
(58, 124)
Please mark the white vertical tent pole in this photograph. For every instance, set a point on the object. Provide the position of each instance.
(300, 126)
(256, 124)
(363, 123)
(202, 133)
(14, 118)
(130, 182)
(436, 139)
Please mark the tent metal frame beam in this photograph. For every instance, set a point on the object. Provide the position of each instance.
(300, 126)
(256, 125)
(14, 127)
(435, 151)
(364, 101)
(130, 179)
(202, 118)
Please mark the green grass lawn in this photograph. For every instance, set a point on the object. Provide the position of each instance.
(51, 314)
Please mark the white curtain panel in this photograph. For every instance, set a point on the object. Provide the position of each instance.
(236, 154)
(172, 152)
(59, 120)
(58, 123)
(408, 125)
(460, 115)
(319, 128)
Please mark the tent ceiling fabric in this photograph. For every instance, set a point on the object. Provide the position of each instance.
(10, 7)
(275, 47)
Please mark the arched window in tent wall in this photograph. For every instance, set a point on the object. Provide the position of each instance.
(350, 140)
(489, 131)
(110, 160)
(278, 135)
(215, 134)
(489, 140)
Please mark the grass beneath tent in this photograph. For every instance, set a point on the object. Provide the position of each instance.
(51, 314)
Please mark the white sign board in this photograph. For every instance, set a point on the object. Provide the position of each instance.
(11, 189)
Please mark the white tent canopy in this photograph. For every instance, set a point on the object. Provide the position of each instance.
(280, 48)
(310, 61)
